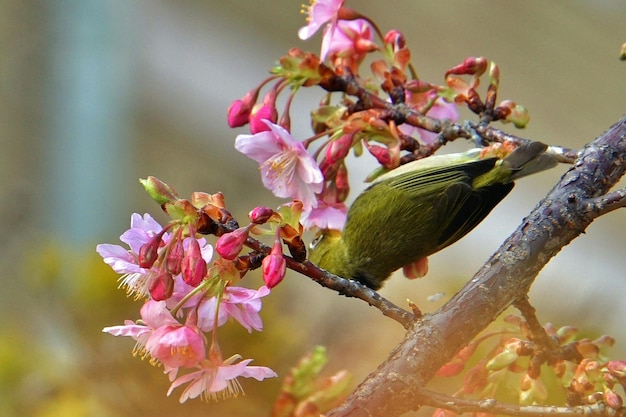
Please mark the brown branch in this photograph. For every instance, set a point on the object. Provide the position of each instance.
(538, 333)
(604, 204)
(343, 286)
(506, 277)
(448, 131)
(491, 406)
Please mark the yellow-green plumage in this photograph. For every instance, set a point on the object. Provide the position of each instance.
(419, 209)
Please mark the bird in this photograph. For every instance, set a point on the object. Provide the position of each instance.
(420, 208)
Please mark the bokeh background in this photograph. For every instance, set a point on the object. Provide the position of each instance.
(95, 94)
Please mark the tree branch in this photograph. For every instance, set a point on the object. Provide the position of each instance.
(604, 204)
(343, 286)
(506, 277)
(491, 406)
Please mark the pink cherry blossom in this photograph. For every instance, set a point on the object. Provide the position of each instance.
(350, 41)
(319, 13)
(154, 314)
(325, 216)
(286, 167)
(176, 345)
(218, 380)
(162, 337)
(135, 279)
(242, 304)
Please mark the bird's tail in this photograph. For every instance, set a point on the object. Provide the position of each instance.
(528, 159)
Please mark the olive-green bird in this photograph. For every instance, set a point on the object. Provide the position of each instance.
(420, 208)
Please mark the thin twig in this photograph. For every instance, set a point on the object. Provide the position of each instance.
(491, 406)
(343, 286)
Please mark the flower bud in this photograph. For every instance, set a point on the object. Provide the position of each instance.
(501, 360)
(149, 251)
(239, 110)
(338, 149)
(159, 191)
(514, 113)
(617, 368)
(175, 257)
(193, 265)
(381, 154)
(230, 244)
(395, 38)
(261, 214)
(274, 266)
(162, 287)
(266, 110)
(612, 399)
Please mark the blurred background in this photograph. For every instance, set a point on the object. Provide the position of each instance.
(96, 94)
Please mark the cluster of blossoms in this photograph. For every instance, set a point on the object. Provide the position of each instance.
(562, 365)
(191, 288)
(392, 129)
(192, 291)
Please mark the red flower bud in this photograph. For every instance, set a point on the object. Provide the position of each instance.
(260, 215)
(175, 257)
(266, 110)
(149, 251)
(274, 266)
(193, 265)
(338, 149)
(230, 244)
(162, 287)
(239, 110)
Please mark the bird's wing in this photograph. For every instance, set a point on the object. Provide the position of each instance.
(430, 179)
(458, 207)
(463, 208)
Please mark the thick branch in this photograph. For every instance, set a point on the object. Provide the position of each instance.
(506, 277)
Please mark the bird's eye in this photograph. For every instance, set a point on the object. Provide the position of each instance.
(316, 241)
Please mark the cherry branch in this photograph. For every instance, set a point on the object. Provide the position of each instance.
(343, 286)
(604, 204)
(491, 406)
(505, 278)
(447, 130)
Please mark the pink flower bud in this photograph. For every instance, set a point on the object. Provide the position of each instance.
(617, 368)
(262, 113)
(338, 149)
(266, 110)
(175, 257)
(193, 265)
(239, 110)
(238, 114)
(471, 65)
(342, 183)
(260, 215)
(149, 251)
(612, 399)
(395, 38)
(230, 244)
(274, 266)
(381, 154)
(162, 287)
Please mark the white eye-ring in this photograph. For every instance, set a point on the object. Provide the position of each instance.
(316, 241)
